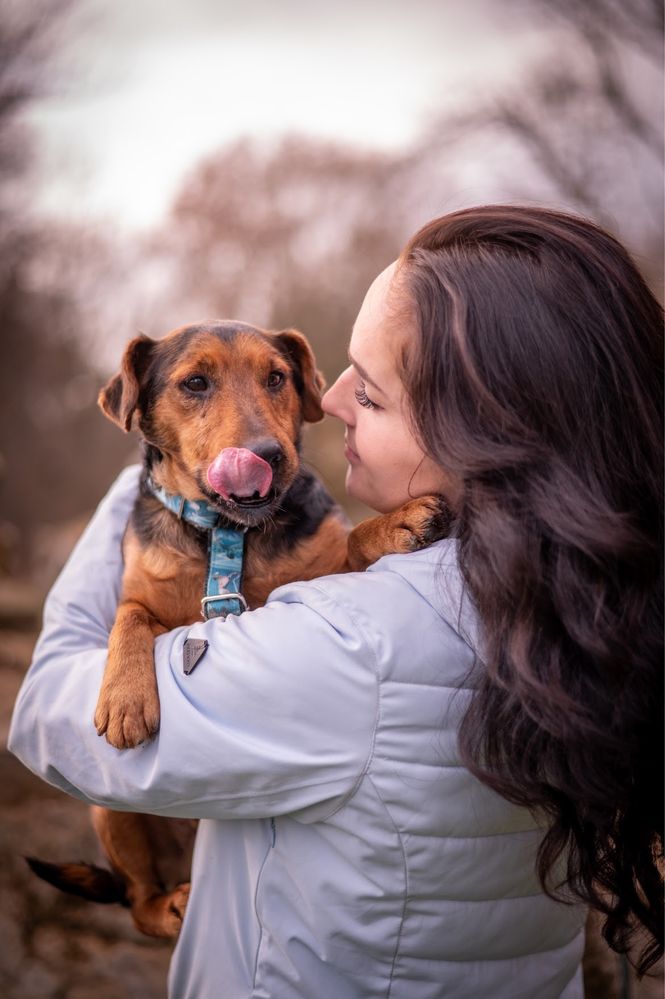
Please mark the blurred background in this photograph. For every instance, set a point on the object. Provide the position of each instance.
(164, 161)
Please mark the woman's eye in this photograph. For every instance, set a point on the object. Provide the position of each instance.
(196, 383)
(363, 399)
(275, 379)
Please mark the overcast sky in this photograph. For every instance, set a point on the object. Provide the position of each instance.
(156, 84)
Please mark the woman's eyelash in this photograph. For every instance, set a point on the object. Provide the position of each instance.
(363, 399)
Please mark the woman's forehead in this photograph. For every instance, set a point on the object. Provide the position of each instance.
(379, 330)
(377, 302)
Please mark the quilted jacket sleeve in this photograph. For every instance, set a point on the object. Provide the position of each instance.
(278, 716)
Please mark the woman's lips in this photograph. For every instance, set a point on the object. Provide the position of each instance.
(350, 454)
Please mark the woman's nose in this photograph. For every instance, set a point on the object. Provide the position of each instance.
(339, 397)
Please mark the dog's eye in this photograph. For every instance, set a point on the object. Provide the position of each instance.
(275, 379)
(196, 383)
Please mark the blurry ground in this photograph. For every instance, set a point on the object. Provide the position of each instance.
(55, 947)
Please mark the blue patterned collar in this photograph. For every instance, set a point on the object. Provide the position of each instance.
(225, 553)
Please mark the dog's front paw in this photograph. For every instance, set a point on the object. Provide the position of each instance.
(127, 717)
(415, 525)
(420, 523)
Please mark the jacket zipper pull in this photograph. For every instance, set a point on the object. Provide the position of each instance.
(273, 830)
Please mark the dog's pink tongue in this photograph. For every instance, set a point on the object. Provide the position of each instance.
(241, 472)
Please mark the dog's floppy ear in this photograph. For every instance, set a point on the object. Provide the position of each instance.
(309, 380)
(120, 397)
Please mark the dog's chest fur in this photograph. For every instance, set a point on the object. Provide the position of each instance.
(166, 558)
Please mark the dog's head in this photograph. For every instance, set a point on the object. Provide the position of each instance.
(222, 403)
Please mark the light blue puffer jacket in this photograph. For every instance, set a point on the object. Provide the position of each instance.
(343, 852)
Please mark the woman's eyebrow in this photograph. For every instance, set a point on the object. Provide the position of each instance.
(363, 374)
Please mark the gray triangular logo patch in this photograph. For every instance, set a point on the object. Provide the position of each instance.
(192, 653)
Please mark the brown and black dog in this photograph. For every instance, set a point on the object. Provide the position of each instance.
(220, 407)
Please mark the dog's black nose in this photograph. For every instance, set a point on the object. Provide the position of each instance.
(267, 448)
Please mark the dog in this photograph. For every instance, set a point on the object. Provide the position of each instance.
(220, 407)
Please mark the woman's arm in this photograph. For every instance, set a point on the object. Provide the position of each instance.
(277, 716)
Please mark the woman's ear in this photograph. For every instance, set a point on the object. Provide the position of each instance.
(309, 380)
(119, 398)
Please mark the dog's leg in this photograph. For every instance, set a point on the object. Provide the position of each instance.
(415, 525)
(128, 706)
(129, 842)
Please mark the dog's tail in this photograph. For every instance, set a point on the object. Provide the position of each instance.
(85, 880)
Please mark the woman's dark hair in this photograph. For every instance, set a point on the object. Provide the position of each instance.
(535, 380)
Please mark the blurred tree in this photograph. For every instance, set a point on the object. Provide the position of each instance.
(54, 444)
(274, 235)
(588, 117)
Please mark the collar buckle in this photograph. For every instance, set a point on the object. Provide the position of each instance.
(205, 601)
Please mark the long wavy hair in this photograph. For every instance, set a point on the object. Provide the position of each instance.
(535, 379)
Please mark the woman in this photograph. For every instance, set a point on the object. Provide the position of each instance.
(345, 744)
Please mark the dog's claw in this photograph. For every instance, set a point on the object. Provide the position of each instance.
(101, 720)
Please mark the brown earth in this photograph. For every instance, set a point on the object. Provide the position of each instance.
(57, 947)
(53, 945)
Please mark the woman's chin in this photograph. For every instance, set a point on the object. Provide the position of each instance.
(359, 489)
(356, 488)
